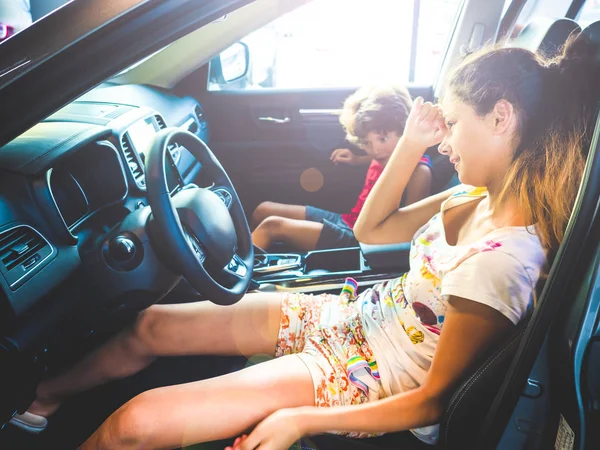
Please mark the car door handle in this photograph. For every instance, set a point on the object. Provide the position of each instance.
(275, 120)
(320, 112)
(324, 115)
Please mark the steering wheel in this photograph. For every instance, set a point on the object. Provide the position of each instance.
(201, 235)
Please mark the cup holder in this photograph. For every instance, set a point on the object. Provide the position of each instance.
(276, 262)
(260, 260)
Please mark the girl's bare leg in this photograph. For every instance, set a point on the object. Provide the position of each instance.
(301, 234)
(249, 327)
(268, 209)
(207, 410)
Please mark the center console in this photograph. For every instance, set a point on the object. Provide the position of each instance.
(326, 270)
(270, 263)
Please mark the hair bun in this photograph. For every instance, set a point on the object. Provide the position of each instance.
(580, 54)
(571, 79)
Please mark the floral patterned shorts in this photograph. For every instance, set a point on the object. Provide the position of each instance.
(325, 332)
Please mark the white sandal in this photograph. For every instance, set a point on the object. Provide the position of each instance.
(29, 422)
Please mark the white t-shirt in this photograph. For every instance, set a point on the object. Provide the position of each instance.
(403, 318)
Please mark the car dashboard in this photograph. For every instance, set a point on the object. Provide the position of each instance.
(70, 179)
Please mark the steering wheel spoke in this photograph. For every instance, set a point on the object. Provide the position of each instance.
(195, 245)
(236, 268)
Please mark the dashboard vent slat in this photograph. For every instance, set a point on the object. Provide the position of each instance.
(118, 112)
(199, 113)
(132, 163)
(8, 239)
(19, 245)
(161, 122)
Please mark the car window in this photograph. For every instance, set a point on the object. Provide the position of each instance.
(344, 43)
(40, 8)
(540, 8)
(589, 13)
(15, 15)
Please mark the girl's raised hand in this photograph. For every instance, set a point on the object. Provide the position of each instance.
(425, 124)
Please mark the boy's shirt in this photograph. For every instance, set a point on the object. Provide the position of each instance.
(373, 174)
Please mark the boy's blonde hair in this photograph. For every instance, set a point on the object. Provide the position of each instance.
(379, 109)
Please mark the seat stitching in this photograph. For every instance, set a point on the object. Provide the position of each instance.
(474, 378)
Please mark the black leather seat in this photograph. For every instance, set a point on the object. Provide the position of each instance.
(545, 35)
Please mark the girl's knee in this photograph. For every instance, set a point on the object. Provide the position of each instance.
(145, 333)
(128, 427)
(273, 226)
(262, 212)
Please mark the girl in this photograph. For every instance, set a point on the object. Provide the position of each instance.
(515, 126)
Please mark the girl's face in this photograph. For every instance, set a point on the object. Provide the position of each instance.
(480, 147)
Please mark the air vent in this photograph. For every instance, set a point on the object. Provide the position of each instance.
(136, 170)
(199, 113)
(161, 122)
(22, 249)
(118, 112)
(175, 150)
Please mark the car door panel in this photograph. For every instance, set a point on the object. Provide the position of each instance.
(284, 139)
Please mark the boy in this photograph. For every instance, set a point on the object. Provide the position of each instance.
(374, 119)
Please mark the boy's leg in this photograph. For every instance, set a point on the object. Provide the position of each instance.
(249, 327)
(208, 410)
(268, 209)
(300, 234)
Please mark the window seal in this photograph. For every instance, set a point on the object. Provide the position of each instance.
(414, 40)
(510, 18)
(451, 34)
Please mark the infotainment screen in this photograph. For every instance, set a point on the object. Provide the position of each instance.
(141, 134)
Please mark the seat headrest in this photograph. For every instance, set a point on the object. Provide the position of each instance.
(593, 31)
(545, 35)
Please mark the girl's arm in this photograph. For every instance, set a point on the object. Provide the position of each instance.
(470, 329)
(419, 185)
(380, 221)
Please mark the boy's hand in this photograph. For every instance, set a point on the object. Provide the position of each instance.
(425, 124)
(345, 156)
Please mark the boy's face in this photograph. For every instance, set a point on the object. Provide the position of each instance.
(380, 146)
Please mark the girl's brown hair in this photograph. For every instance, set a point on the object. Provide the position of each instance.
(379, 109)
(555, 100)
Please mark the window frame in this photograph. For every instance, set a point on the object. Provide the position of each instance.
(575, 8)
